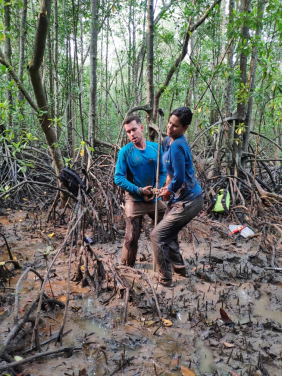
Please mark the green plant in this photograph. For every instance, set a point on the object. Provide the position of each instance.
(47, 252)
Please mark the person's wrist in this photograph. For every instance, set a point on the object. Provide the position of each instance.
(141, 191)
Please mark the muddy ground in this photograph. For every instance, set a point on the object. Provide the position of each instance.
(225, 317)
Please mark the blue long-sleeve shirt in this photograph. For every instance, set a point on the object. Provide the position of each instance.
(137, 168)
(177, 160)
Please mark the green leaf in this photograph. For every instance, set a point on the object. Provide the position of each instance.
(17, 358)
(279, 87)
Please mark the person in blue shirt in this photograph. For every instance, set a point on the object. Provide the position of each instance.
(183, 194)
(136, 173)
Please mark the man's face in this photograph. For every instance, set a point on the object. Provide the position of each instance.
(134, 132)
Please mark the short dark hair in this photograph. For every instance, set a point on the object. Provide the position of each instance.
(131, 118)
(184, 114)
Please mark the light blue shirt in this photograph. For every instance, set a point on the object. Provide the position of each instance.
(137, 168)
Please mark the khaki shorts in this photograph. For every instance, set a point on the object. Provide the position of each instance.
(137, 208)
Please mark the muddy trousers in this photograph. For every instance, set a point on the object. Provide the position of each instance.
(164, 237)
(134, 212)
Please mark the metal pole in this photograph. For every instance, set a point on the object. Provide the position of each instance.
(161, 115)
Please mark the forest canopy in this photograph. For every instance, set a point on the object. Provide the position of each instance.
(72, 70)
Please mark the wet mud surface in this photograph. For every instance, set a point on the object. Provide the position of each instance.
(225, 318)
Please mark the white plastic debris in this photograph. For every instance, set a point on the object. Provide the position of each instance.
(243, 230)
(246, 232)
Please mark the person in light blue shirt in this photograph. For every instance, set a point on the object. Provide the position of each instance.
(136, 173)
(183, 194)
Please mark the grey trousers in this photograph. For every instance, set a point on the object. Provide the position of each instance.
(134, 212)
(165, 234)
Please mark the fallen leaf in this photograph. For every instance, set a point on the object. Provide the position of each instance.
(2, 263)
(150, 323)
(167, 322)
(174, 362)
(228, 344)
(186, 371)
(224, 315)
(51, 235)
(25, 199)
(82, 152)
(76, 309)
(3, 310)
(17, 358)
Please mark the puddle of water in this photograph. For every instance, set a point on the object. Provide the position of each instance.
(89, 303)
(260, 309)
(259, 306)
(182, 316)
(206, 363)
(133, 350)
(94, 325)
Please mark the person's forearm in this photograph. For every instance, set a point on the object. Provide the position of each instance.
(168, 181)
(175, 184)
(127, 185)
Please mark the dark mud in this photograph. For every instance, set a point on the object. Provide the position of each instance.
(226, 316)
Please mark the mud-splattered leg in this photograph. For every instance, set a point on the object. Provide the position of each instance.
(130, 244)
(164, 238)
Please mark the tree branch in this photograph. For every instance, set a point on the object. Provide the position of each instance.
(181, 56)
(145, 108)
(38, 183)
(18, 82)
(38, 356)
(268, 139)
